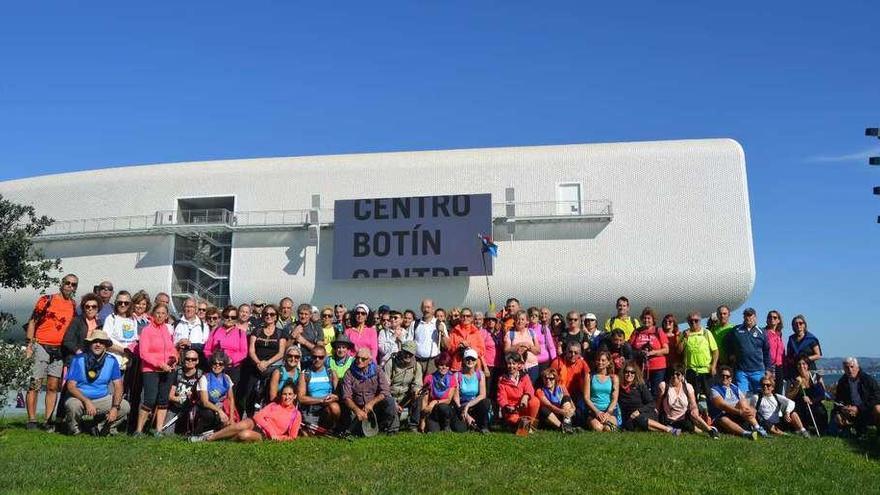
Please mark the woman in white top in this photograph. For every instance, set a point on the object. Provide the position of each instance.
(677, 404)
(122, 329)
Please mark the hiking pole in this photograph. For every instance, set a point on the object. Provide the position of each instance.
(810, 409)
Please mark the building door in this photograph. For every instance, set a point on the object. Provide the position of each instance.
(568, 198)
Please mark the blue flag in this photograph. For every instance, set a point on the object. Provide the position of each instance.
(489, 246)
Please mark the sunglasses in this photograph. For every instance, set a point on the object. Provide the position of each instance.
(191, 359)
(231, 317)
(91, 306)
(327, 316)
(767, 385)
(202, 310)
(259, 305)
(318, 357)
(294, 356)
(123, 303)
(724, 376)
(269, 314)
(629, 372)
(694, 320)
(218, 363)
(361, 359)
(213, 318)
(104, 287)
(467, 316)
(800, 323)
(360, 313)
(573, 319)
(549, 379)
(470, 359)
(677, 373)
(70, 283)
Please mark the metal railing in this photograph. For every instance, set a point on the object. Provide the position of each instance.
(193, 288)
(547, 209)
(191, 254)
(167, 221)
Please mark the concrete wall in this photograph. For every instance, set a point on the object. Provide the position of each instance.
(680, 238)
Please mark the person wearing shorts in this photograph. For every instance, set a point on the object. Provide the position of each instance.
(44, 334)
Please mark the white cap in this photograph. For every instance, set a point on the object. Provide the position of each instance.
(589, 316)
(363, 307)
(470, 353)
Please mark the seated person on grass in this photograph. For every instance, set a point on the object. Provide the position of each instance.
(677, 404)
(557, 408)
(857, 398)
(637, 407)
(405, 379)
(730, 410)
(365, 391)
(183, 399)
(775, 411)
(279, 420)
(516, 396)
(94, 385)
(320, 406)
(472, 403)
(216, 399)
(438, 412)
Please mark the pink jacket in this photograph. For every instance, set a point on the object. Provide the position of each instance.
(369, 338)
(777, 348)
(234, 344)
(491, 351)
(279, 422)
(156, 347)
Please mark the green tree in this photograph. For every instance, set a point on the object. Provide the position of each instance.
(22, 265)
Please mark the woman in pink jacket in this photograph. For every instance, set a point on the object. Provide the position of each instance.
(158, 358)
(777, 346)
(280, 420)
(231, 339)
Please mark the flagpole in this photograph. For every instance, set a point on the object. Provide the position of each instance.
(483, 249)
(486, 274)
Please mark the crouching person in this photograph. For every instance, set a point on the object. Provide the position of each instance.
(405, 380)
(557, 408)
(775, 411)
(730, 410)
(94, 384)
(320, 406)
(365, 392)
(471, 399)
(516, 396)
(280, 420)
(216, 397)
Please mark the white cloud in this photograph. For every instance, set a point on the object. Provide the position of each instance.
(846, 157)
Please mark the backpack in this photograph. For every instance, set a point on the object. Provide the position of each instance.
(38, 315)
(512, 334)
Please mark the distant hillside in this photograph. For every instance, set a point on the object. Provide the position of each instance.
(869, 364)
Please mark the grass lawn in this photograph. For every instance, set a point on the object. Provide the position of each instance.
(442, 463)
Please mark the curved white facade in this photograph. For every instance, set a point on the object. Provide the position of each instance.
(679, 237)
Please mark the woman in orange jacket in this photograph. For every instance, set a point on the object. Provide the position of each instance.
(516, 395)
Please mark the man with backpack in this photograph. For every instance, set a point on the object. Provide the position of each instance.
(44, 333)
(622, 320)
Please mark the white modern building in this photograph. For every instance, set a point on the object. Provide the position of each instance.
(666, 223)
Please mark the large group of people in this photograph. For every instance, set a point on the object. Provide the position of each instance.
(275, 371)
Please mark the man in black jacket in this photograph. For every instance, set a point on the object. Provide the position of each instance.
(858, 398)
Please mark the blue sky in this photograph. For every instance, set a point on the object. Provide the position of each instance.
(95, 84)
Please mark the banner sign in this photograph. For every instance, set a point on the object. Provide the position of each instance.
(415, 237)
